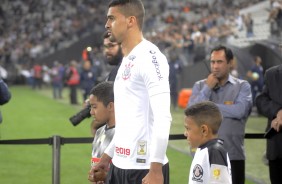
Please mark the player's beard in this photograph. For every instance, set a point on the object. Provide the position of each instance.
(116, 59)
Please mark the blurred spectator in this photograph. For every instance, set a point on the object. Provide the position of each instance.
(88, 78)
(188, 48)
(37, 76)
(72, 80)
(255, 76)
(174, 70)
(239, 21)
(249, 24)
(275, 18)
(46, 75)
(57, 75)
(234, 68)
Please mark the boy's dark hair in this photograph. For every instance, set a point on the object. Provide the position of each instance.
(104, 92)
(131, 8)
(205, 113)
(228, 52)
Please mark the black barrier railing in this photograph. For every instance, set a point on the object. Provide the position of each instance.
(56, 142)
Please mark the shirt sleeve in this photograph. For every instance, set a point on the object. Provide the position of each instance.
(161, 126)
(155, 75)
(220, 172)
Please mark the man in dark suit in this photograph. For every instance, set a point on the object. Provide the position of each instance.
(269, 104)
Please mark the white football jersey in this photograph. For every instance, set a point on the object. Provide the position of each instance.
(142, 108)
(211, 164)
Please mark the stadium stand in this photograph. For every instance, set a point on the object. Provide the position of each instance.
(39, 31)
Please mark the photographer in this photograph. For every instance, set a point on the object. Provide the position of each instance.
(113, 56)
(5, 95)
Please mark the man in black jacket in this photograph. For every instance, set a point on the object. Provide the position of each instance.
(269, 104)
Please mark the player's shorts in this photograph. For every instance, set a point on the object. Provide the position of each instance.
(132, 176)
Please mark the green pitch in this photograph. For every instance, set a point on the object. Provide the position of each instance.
(34, 114)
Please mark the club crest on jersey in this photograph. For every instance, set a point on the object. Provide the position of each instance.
(131, 57)
(127, 71)
(142, 148)
(198, 173)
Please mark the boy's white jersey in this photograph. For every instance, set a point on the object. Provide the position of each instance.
(142, 108)
(211, 164)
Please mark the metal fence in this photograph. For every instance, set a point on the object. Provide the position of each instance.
(57, 141)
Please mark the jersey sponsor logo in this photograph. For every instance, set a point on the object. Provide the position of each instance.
(156, 64)
(123, 152)
(198, 173)
(142, 148)
(127, 71)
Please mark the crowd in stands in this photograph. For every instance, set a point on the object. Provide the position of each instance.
(33, 28)
(192, 27)
(184, 30)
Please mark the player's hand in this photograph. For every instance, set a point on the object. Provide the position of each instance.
(153, 178)
(155, 174)
(97, 176)
(98, 172)
(276, 124)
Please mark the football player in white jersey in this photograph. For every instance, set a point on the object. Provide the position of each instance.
(211, 162)
(142, 102)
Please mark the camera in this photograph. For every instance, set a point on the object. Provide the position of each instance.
(81, 115)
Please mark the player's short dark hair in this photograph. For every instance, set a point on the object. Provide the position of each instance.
(104, 92)
(228, 52)
(205, 113)
(131, 8)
